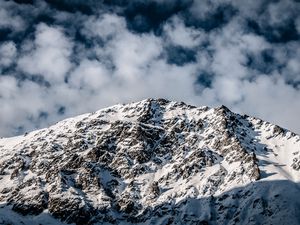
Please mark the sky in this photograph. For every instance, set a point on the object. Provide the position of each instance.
(61, 58)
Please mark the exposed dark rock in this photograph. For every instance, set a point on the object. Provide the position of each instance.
(142, 161)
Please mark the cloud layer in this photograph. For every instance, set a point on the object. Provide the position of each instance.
(59, 59)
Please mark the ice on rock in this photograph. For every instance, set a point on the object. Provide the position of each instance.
(152, 162)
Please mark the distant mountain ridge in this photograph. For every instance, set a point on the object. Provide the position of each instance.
(152, 162)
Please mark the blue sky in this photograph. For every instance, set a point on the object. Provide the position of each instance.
(61, 58)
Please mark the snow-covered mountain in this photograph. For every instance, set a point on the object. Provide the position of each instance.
(152, 162)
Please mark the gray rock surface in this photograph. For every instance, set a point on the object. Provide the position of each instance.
(152, 162)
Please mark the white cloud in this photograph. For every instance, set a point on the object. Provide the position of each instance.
(282, 11)
(50, 55)
(266, 97)
(179, 34)
(18, 103)
(272, 99)
(129, 53)
(105, 26)
(132, 54)
(118, 65)
(8, 20)
(8, 86)
(297, 24)
(248, 9)
(8, 53)
(205, 8)
(90, 74)
(231, 45)
(228, 90)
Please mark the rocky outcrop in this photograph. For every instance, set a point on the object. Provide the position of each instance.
(134, 162)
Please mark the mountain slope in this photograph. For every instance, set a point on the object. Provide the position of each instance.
(152, 162)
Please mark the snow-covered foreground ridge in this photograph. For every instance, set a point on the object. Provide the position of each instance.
(152, 162)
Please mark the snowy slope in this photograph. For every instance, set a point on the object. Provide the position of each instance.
(152, 162)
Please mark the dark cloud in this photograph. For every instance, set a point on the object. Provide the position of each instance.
(62, 58)
(5, 34)
(180, 56)
(276, 34)
(145, 16)
(214, 18)
(24, 1)
(84, 7)
(205, 79)
(61, 110)
(263, 61)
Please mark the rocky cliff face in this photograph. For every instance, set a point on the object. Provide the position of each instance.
(152, 162)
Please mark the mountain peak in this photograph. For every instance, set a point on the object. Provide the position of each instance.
(152, 162)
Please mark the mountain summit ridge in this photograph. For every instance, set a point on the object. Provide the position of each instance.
(152, 162)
